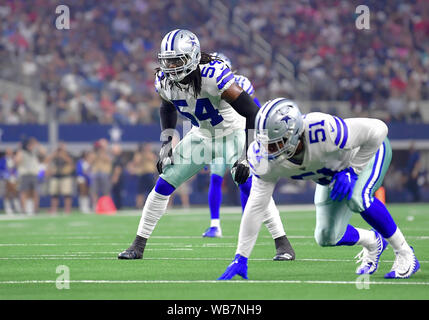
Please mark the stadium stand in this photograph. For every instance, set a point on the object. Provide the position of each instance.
(100, 73)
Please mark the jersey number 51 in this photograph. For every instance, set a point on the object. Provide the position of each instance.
(317, 134)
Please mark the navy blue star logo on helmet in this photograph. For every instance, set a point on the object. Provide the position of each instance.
(285, 119)
(192, 41)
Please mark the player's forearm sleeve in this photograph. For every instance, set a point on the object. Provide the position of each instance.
(246, 107)
(257, 102)
(367, 135)
(168, 115)
(254, 214)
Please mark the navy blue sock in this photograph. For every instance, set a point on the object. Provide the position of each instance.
(378, 217)
(244, 192)
(350, 237)
(163, 187)
(215, 195)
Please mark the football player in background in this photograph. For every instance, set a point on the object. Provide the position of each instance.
(8, 175)
(348, 160)
(218, 168)
(203, 89)
(83, 179)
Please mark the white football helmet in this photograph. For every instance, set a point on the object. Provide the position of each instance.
(223, 57)
(278, 127)
(180, 54)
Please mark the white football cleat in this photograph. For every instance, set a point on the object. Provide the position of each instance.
(369, 257)
(405, 264)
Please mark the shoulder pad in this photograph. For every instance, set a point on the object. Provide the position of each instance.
(245, 84)
(335, 127)
(341, 132)
(217, 76)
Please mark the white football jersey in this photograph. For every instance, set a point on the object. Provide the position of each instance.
(244, 83)
(209, 114)
(331, 144)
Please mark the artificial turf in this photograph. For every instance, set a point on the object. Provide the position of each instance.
(179, 264)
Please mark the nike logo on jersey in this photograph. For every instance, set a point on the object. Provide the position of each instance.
(332, 128)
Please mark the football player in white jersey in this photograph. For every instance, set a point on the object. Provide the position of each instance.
(203, 90)
(217, 169)
(348, 160)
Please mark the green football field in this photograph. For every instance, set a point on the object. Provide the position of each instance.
(38, 253)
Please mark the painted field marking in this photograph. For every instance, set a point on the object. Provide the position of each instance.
(236, 210)
(87, 257)
(166, 237)
(7, 282)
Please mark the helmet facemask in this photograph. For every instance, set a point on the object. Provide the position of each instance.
(285, 145)
(176, 67)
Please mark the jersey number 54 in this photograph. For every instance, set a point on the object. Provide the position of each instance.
(204, 110)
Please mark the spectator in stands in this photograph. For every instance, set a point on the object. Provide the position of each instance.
(8, 179)
(143, 165)
(83, 179)
(88, 109)
(113, 50)
(412, 171)
(21, 108)
(101, 170)
(6, 115)
(117, 179)
(107, 107)
(123, 110)
(28, 164)
(60, 170)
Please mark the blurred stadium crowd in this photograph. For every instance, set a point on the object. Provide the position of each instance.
(102, 69)
(30, 172)
(384, 68)
(31, 177)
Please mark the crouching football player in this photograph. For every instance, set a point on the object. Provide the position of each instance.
(348, 160)
(202, 89)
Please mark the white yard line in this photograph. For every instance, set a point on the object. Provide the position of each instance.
(165, 237)
(223, 211)
(179, 211)
(114, 257)
(399, 282)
